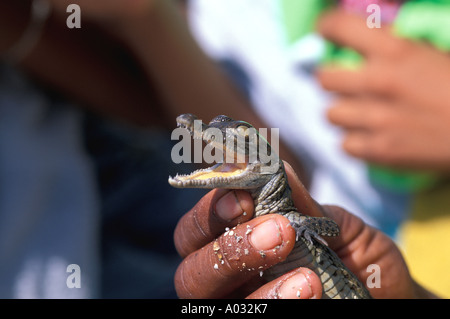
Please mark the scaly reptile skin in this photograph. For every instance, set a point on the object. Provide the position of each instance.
(268, 185)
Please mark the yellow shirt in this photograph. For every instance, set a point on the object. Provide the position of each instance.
(425, 239)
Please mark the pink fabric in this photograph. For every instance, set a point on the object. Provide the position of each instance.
(388, 8)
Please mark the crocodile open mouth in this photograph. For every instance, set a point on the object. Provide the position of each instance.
(219, 170)
(219, 173)
(227, 171)
(241, 160)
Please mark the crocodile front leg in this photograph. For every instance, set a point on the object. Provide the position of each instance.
(312, 251)
(312, 227)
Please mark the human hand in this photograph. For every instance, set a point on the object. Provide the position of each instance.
(395, 109)
(218, 264)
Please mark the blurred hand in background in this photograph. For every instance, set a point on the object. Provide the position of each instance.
(395, 109)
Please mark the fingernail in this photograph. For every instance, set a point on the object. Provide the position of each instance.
(266, 236)
(296, 287)
(228, 207)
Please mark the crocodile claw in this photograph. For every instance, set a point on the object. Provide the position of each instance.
(308, 234)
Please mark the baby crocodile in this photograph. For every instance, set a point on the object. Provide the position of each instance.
(264, 176)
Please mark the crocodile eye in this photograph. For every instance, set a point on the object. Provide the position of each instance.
(220, 119)
(242, 130)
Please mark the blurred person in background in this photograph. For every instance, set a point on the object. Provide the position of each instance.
(84, 152)
(86, 115)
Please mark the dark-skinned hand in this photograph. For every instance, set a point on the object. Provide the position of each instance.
(225, 250)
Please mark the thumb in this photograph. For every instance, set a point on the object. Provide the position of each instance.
(301, 283)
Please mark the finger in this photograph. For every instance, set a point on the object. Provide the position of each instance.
(362, 113)
(210, 216)
(352, 229)
(301, 283)
(235, 257)
(375, 147)
(348, 113)
(353, 241)
(300, 195)
(369, 146)
(359, 245)
(372, 78)
(342, 81)
(351, 30)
